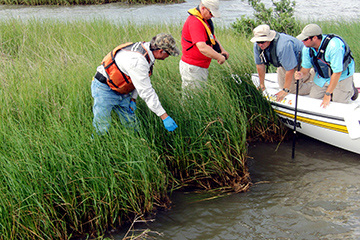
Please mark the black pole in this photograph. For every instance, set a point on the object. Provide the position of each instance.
(296, 100)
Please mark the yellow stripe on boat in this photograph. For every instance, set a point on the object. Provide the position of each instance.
(332, 126)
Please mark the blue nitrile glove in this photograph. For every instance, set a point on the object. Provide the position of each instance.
(169, 124)
(132, 106)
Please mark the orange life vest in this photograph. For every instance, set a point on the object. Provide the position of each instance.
(116, 79)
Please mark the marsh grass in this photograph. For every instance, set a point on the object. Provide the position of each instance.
(59, 183)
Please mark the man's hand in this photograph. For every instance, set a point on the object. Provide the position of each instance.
(169, 124)
(132, 106)
(298, 75)
(225, 54)
(262, 87)
(326, 101)
(221, 59)
(281, 95)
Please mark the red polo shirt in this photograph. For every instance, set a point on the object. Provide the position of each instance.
(194, 32)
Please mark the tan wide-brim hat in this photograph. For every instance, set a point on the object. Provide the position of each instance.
(262, 33)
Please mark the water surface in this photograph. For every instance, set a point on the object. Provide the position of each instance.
(314, 196)
(177, 13)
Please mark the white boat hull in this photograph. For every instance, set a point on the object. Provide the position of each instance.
(337, 125)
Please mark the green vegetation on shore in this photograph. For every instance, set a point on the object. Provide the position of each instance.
(58, 183)
(82, 2)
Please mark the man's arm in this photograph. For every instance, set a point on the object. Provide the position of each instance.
(165, 115)
(300, 74)
(288, 79)
(223, 51)
(137, 67)
(210, 52)
(333, 82)
(261, 72)
(141, 80)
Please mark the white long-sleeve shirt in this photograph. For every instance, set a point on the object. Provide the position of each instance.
(137, 68)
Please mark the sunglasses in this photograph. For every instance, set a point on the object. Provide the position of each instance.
(308, 39)
(261, 42)
(209, 11)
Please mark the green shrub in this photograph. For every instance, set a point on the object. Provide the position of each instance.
(280, 18)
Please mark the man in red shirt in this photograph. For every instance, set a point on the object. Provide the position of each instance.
(199, 45)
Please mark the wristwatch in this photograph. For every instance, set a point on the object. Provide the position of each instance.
(327, 94)
(286, 90)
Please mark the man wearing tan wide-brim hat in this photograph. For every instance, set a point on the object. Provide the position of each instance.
(282, 51)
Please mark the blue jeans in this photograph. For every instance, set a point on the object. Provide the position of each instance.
(106, 100)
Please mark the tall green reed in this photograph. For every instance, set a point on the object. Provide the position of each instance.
(58, 182)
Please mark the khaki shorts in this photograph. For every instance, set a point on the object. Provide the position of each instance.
(192, 76)
(305, 84)
(342, 93)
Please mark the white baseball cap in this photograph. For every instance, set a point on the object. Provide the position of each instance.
(213, 6)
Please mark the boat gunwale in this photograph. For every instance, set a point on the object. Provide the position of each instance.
(311, 113)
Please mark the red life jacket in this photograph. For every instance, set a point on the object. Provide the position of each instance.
(116, 79)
